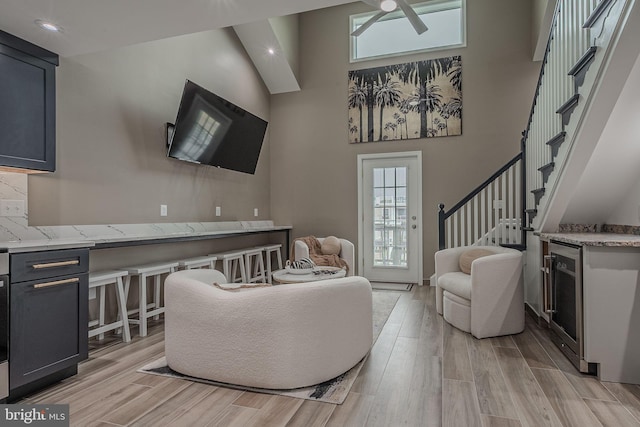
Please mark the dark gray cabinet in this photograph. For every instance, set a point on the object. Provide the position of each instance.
(27, 105)
(48, 322)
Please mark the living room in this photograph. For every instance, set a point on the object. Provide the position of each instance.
(112, 107)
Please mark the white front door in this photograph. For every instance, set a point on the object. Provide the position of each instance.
(390, 212)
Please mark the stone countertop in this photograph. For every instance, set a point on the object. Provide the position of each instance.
(44, 245)
(113, 235)
(594, 239)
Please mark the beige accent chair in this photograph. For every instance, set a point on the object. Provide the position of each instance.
(275, 337)
(489, 302)
(347, 252)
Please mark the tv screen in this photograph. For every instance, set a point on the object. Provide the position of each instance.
(212, 131)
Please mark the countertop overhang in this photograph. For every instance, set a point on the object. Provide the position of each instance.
(594, 239)
(121, 235)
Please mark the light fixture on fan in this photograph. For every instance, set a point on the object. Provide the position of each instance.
(387, 6)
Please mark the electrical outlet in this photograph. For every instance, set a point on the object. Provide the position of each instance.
(163, 210)
(12, 208)
(255, 211)
(218, 211)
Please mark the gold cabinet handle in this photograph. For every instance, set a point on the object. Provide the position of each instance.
(56, 264)
(56, 283)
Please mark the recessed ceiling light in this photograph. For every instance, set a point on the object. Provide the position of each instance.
(48, 26)
(271, 51)
(388, 5)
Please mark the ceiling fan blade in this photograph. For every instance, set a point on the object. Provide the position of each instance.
(412, 16)
(362, 28)
(374, 3)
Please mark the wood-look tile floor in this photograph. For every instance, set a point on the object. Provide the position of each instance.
(421, 372)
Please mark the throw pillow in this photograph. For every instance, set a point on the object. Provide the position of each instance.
(467, 257)
(331, 246)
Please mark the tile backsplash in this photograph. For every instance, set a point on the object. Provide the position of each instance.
(13, 186)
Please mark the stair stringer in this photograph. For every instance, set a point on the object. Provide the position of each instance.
(618, 50)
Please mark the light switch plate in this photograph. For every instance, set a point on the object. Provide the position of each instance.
(12, 208)
(163, 210)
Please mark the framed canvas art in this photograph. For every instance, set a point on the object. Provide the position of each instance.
(406, 101)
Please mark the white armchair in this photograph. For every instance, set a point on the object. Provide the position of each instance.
(347, 253)
(488, 302)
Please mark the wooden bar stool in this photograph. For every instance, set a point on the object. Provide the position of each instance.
(232, 263)
(254, 256)
(269, 251)
(101, 279)
(198, 262)
(155, 308)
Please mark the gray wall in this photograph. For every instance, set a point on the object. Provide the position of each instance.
(313, 167)
(111, 110)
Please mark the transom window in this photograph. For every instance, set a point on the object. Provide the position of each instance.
(394, 35)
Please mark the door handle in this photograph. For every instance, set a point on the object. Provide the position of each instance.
(550, 303)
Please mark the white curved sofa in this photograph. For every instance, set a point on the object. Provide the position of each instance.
(277, 337)
(489, 302)
(347, 252)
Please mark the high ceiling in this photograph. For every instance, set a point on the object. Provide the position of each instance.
(95, 25)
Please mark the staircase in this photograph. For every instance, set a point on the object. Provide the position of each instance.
(515, 200)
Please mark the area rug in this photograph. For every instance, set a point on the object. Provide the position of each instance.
(389, 286)
(332, 391)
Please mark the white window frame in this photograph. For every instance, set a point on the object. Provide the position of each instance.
(434, 5)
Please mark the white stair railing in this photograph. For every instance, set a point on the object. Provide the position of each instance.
(489, 215)
(568, 56)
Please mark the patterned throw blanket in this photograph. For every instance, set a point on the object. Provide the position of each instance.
(315, 253)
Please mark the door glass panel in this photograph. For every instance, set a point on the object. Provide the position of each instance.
(390, 212)
(564, 314)
(378, 178)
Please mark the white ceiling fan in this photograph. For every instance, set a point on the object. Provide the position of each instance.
(387, 6)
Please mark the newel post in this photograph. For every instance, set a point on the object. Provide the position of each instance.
(441, 218)
(523, 189)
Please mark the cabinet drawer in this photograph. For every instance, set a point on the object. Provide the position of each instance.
(48, 330)
(46, 264)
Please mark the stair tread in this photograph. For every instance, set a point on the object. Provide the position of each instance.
(584, 60)
(558, 139)
(596, 13)
(567, 106)
(517, 246)
(549, 165)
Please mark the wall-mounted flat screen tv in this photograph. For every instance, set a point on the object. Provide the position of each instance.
(210, 130)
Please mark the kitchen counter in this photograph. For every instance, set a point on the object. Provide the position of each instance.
(594, 239)
(44, 245)
(119, 235)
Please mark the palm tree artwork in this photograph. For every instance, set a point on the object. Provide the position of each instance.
(387, 94)
(357, 99)
(406, 101)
